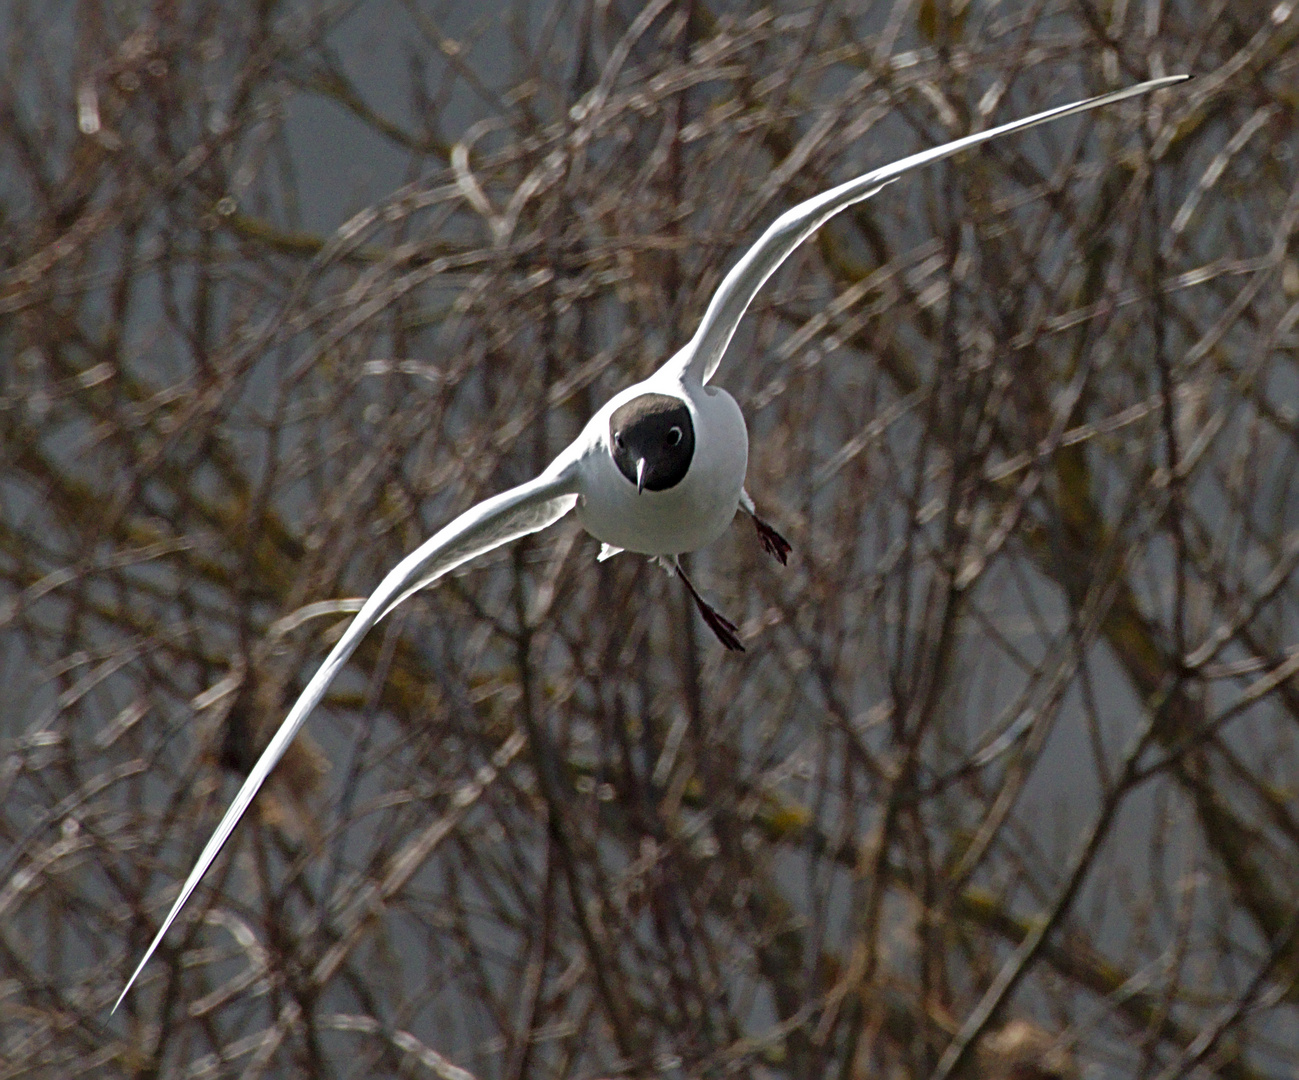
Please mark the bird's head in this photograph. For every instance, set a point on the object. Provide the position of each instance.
(653, 441)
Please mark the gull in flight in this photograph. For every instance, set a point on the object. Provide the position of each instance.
(659, 470)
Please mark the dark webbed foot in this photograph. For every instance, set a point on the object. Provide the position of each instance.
(775, 544)
(718, 623)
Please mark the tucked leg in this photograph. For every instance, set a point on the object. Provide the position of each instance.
(775, 544)
(726, 631)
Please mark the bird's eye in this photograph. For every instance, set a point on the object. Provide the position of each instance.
(674, 436)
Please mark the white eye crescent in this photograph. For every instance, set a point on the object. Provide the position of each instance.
(674, 436)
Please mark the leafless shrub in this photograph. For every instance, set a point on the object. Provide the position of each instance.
(1009, 766)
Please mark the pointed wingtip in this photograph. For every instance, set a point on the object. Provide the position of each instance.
(148, 955)
(1147, 87)
(127, 988)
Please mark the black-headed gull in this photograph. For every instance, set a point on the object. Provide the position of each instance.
(659, 470)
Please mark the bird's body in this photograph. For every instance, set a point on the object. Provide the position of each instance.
(691, 513)
(658, 470)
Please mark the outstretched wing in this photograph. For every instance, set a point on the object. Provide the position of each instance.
(699, 359)
(508, 516)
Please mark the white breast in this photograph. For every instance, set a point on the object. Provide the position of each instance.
(693, 513)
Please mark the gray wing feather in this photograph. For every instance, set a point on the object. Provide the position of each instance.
(699, 359)
(514, 513)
